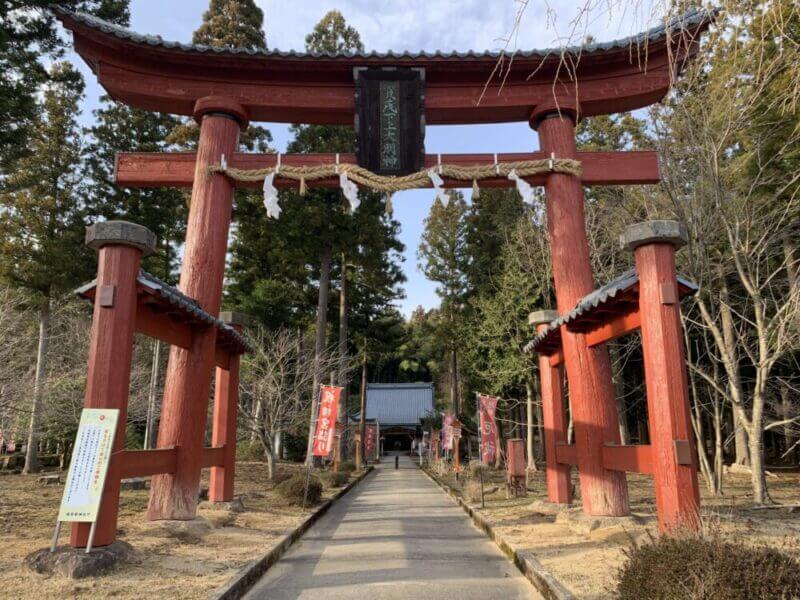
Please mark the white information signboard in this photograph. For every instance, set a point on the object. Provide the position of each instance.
(87, 471)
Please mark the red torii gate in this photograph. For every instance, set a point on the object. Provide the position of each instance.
(225, 89)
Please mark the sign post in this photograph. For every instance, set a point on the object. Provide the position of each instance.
(87, 470)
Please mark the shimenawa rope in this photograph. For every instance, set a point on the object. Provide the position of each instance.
(349, 173)
(391, 183)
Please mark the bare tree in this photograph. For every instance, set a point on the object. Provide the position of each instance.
(276, 385)
(17, 345)
(725, 179)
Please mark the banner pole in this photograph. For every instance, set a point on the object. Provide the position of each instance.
(91, 537)
(57, 531)
(310, 462)
(480, 428)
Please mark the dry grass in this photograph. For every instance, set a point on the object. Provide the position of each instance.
(588, 564)
(163, 565)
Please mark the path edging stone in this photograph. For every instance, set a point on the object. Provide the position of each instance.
(542, 579)
(248, 575)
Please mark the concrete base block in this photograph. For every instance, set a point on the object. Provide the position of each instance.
(190, 532)
(134, 483)
(75, 562)
(548, 509)
(584, 524)
(236, 505)
(49, 480)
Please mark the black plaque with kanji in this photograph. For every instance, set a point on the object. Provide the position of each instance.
(390, 119)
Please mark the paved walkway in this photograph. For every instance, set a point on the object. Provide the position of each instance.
(395, 535)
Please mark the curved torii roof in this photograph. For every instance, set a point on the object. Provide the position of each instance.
(297, 87)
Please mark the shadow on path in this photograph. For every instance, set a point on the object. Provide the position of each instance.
(396, 535)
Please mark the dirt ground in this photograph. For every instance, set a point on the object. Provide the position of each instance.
(164, 564)
(587, 564)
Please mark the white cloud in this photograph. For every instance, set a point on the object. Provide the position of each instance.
(460, 24)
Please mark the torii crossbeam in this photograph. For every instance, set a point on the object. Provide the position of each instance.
(225, 89)
(176, 169)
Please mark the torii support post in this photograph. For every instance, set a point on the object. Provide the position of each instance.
(603, 492)
(226, 410)
(554, 417)
(671, 438)
(185, 404)
(120, 246)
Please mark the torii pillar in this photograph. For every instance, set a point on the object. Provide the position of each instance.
(554, 417)
(188, 379)
(654, 244)
(603, 492)
(120, 246)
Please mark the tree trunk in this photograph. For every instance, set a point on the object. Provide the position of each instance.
(277, 445)
(319, 344)
(529, 424)
(792, 266)
(257, 421)
(619, 390)
(453, 382)
(571, 427)
(343, 352)
(699, 431)
(152, 397)
(709, 472)
(757, 467)
(740, 441)
(540, 432)
(31, 452)
(362, 422)
(731, 355)
(270, 464)
(787, 412)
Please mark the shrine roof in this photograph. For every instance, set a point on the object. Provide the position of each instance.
(611, 299)
(187, 307)
(691, 19)
(399, 403)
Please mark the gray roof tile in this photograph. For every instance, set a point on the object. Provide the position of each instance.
(399, 403)
(691, 18)
(601, 296)
(184, 303)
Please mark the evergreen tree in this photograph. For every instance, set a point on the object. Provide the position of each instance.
(28, 37)
(228, 24)
(491, 216)
(610, 209)
(232, 24)
(419, 356)
(443, 258)
(442, 252)
(334, 36)
(120, 128)
(42, 225)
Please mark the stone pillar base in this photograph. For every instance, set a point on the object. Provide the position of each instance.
(75, 563)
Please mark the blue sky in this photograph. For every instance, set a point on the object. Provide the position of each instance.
(417, 25)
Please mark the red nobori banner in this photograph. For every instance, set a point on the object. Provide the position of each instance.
(370, 441)
(326, 420)
(488, 407)
(447, 432)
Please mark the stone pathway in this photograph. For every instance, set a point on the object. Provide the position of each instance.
(396, 535)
